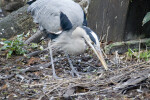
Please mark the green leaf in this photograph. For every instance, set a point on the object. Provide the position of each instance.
(7, 42)
(146, 18)
(14, 46)
(130, 52)
(27, 34)
(4, 47)
(2, 39)
(41, 48)
(34, 45)
(9, 54)
(34, 30)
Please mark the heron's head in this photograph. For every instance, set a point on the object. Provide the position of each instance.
(92, 40)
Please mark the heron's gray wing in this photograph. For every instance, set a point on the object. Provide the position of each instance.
(47, 14)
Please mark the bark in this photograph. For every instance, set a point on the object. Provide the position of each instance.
(123, 47)
(17, 22)
(35, 37)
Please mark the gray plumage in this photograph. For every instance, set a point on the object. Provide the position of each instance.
(47, 13)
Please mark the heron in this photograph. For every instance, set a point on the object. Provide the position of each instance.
(64, 22)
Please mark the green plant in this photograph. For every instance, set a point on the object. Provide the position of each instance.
(14, 46)
(146, 18)
(130, 52)
(145, 54)
(36, 46)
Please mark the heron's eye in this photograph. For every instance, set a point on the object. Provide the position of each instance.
(92, 35)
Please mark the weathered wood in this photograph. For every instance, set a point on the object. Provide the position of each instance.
(123, 47)
(108, 17)
(35, 38)
(134, 80)
(16, 23)
(119, 20)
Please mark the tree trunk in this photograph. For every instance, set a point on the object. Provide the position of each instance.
(16, 23)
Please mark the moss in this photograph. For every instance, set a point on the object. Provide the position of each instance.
(122, 46)
(109, 47)
(147, 42)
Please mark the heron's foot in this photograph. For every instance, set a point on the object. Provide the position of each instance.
(74, 72)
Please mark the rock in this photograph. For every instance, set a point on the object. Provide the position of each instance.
(8, 6)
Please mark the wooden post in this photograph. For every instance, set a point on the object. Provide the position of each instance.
(108, 18)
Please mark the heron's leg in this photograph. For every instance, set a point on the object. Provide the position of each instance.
(51, 57)
(73, 71)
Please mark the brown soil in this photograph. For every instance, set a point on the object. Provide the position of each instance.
(29, 79)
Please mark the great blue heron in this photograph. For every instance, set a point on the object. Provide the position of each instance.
(65, 23)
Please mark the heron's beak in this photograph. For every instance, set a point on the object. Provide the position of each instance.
(98, 52)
